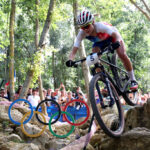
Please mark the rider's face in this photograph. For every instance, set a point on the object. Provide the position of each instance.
(88, 29)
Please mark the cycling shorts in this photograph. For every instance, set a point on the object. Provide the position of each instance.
(103, 44)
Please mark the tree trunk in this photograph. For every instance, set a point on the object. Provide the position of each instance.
(47, 23)
(82, 53)
(53, 69)
(146, 14)
(11, 53)
(26, 85)
(37, 26)
(44, 110)
(43, 35)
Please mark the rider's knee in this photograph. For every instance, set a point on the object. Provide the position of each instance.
(123, 56)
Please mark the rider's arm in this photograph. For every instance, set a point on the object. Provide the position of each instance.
(77, 43)
(73, 52)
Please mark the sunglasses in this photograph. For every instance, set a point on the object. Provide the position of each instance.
(85, 27)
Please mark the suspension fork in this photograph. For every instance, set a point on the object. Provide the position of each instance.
(106, 80)
(100, 95)
(93, 70)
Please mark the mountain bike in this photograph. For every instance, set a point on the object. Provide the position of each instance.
(106, 87)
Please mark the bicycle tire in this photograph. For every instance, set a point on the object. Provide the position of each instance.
(97, 79)
(121, 81)
(59, 110)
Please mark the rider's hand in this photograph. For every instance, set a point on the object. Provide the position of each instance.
(69, 63)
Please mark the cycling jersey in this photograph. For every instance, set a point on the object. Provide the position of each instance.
(103, 30)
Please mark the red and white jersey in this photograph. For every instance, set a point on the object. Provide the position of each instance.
(103, 30)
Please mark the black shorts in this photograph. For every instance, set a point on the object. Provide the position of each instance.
(103, 44)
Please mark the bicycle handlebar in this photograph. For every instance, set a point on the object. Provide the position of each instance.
(110, 49)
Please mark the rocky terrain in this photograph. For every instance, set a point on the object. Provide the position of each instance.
(136, 135)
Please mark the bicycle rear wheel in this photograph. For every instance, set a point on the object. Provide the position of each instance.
(123, 82)
(106, 106)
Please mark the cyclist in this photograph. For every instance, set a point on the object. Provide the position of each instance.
(101, 34)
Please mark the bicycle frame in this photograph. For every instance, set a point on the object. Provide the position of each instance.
(112, 66)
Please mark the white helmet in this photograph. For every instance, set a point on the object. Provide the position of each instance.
(84, 18)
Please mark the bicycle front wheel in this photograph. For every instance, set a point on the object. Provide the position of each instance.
(106, 106)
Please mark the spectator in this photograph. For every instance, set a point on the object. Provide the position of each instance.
(74, 95)
(34, 99)
(57, 93)
(53, 97)
(29, 92)
(82, 98)
(3, 94)
(48, 96)
(37, 91)
(69, 98)
(78, 89)
(62, 99)
(17, 94)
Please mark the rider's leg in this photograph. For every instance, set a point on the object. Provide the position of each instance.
(127, 64)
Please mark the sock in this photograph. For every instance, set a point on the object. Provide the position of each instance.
(131, 75)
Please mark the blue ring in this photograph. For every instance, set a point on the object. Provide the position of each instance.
(9, 110)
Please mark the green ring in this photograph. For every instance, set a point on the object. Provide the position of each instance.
(61, 136)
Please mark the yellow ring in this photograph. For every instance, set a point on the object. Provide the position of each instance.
(22, 127)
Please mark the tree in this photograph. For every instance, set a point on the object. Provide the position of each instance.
(145, 12)
(40, 46)
(11, 52)
(44, 110)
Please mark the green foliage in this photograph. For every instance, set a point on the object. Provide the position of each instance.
(131, 24)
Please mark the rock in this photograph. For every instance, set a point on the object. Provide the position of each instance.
(85, 125)
(89, 147)
(61, 128)
(136, 139)
(3, 113)
(138, 117)
(14, 138)
(18, 146)
(3, 138)
(9, 130)
(96, 138)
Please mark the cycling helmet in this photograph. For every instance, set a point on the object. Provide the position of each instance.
(84, 18)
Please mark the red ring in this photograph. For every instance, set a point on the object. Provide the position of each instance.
(88, 112)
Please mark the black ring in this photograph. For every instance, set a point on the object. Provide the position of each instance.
(57, 107)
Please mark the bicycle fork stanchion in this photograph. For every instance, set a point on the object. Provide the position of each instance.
(110, 93)
(92, 119)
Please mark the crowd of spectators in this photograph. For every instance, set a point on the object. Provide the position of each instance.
(59, 95)
(62, 96)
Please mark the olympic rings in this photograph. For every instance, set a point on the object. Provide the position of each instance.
(9, 111)
(88, 112)
(61, 136)
(32, 135)
(59, 114)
